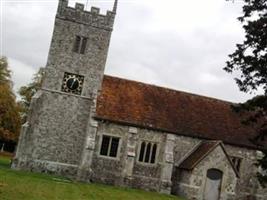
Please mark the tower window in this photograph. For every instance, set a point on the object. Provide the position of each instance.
(77, 44)
(80, 44)
(83, 46)
(109, 146)
(147, 152)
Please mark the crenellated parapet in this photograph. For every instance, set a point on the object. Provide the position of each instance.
(79, 15)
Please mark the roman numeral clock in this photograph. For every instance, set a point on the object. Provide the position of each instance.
(72, 83)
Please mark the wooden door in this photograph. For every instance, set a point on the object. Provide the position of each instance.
(213, 184)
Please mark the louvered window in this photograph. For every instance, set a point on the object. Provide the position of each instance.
(80, 44)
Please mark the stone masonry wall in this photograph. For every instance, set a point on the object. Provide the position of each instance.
(148, 176)
(107, 169)
(48, 144)
(126, 170)
(247, 185)
(183, 147)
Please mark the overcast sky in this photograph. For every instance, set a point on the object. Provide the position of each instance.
(180, 44)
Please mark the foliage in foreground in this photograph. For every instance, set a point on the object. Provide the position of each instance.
(9, 109)
(16, 185)
(250, 61)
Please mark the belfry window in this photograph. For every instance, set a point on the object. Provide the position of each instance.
(109, 146)
(147, 153)
(77, 44)
(80, 44)
(236, 162)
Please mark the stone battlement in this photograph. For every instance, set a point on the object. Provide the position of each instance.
(79, 15)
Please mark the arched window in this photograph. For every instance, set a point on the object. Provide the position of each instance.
(142, 151)
(154, 151)
(148, 149)
(77, 44)
(147, 152)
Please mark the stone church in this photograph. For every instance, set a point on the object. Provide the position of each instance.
(92, 127)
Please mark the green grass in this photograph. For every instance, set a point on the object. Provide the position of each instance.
(17, 185)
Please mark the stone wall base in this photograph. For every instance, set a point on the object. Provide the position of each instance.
(85, 175)
(165, 187)
(43, 166)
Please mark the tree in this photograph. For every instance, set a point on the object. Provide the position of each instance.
(9, 110)
(9, 115)
(27, 92)
(5, 73)
(250, 60)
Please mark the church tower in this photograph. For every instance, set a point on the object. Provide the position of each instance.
(57, 133)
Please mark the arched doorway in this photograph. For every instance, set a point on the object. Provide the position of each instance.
(213, 184)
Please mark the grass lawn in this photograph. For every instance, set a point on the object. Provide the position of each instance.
(17, 185)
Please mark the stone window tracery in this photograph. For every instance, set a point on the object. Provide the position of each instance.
(147, 153)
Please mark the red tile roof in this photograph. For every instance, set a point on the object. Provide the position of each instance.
(148, 106)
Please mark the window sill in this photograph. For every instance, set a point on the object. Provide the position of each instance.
(147, 164)
(109, 157)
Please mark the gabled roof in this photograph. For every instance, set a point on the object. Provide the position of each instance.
(201, 152)
(152, 107)
(198, 154)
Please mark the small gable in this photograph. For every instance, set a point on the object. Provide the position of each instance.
(204, 149)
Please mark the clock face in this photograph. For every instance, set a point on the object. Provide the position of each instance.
(72, 83)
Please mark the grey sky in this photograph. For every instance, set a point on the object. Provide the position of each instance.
(172, 43)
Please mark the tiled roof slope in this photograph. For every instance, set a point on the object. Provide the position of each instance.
(139, 104)
(199, 153)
